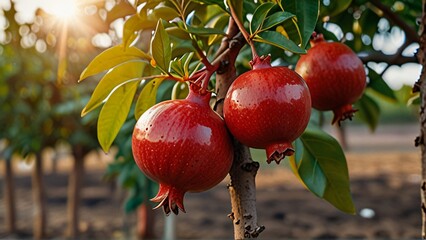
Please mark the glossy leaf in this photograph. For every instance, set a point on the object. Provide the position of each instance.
(117, 76)
(130, 29)
(205, 31)
(323, 154)
(180, 90)
(334, 7)
(219, 3)
(112, 57)
(380, 86)
(114, 114)
(307, 12)
(278, 40)
(259, 16)
(308, 172)
(181, 65)
(160, 47)
(147, 97)
(120, 10)
(276, 19)
(166, 13)
(368, 111)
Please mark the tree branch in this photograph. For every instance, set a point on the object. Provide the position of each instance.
(376, 56)
(242, 187)
(395, 19)
(420, 140)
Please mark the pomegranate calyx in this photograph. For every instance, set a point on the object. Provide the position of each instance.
(198, 95)
(316, 38)
(170, 198)
(277, 152)
(261, 62)
(343, 113)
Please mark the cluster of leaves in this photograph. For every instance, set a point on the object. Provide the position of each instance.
(193, 28)
(169, 40)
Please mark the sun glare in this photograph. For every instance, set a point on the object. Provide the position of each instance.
(63, 9)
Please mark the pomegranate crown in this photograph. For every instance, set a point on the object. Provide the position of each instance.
(316, 38)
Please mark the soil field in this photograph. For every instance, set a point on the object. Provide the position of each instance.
(385, 178)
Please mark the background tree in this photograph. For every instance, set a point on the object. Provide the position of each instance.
(41, 101)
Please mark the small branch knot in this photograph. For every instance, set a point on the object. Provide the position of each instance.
(223, 67)
(418, 141)
(250, 167)
(253, 233)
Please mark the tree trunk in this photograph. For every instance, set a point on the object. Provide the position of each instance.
(9, 197)
(74, 192)
(40, 221)
(420, 141)
(242, 188)
(145, 222)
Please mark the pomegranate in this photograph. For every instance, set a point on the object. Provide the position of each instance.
(184, 146)
(335, 77)
(268, 107)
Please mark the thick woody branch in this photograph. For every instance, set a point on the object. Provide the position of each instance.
(395, 19)
(242, 187)
(376, 56)
(420, 140)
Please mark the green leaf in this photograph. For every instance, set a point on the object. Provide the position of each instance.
(120, 10)
(165, 12)
(112, 57)
(322, 153)
(307, 170)
(276, 19)
(160, 47)
(380, 86)
(129, 71)
(114, 114)
(180, 90)
(219, 3)
(181, 65)
(259, 16)
(307, 12)
(147, 97)
(130, 29)
(278, 40)
(205, 31)
(368, 111)
(334, 7)
(237, 5)
(133, 202)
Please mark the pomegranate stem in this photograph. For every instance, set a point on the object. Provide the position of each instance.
(246, 35)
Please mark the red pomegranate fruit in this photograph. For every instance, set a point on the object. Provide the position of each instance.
(268, 107)
(335, 77)
(184, 146)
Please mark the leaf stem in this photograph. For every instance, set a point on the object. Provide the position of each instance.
(246, 35)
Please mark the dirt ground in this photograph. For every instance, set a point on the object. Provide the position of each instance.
(385, 178)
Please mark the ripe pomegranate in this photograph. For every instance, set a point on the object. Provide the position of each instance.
(268, 107)
(184, 146)
(335, 77)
